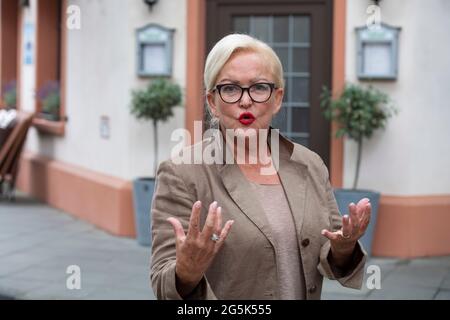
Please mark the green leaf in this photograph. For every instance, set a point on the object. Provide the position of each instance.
(156, 101)
(359, 111)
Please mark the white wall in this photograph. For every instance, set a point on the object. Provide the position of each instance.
(412, 156)
(101, 64)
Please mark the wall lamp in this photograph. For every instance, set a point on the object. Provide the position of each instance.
(150, 3)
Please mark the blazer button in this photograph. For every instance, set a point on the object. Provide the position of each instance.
(305, 242)
(312, 289)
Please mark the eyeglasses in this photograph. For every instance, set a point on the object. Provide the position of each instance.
(259, 92)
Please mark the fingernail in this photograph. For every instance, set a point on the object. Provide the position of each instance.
(198, 204)
(219, 209)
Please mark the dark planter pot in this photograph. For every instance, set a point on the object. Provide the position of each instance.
(346, 196)
(143, 189)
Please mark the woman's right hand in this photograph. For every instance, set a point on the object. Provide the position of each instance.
(196, 250)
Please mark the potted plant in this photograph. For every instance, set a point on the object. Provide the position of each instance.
(10, 95)
(359, 111)
(154, 103)
(49, 97)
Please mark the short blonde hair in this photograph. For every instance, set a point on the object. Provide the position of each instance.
(230, 44)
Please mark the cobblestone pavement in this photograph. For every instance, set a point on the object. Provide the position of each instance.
(38, 243)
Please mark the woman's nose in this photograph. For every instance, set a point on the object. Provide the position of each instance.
(245, 101)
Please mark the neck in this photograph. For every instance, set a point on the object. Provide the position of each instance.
(250, 151)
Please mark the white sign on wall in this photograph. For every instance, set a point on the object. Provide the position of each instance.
(28, 44)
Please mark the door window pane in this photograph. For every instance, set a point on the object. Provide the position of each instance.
(281, 29)
(300, 91)
(283, 54)
(280, 120)
(301, 29)
(241, 24)
(300, 60)
(286, 90)
(300, 119)
(260, 28)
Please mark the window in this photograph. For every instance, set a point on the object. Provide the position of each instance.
(50, 37)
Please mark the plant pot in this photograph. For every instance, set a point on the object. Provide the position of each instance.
(143, 189)
(346, 196)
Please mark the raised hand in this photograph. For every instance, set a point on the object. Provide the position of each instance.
(196, 250)
(353, 226)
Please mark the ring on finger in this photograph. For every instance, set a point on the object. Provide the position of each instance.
(215, 237)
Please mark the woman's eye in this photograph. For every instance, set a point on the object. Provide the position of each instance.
(260, 87)
(229, 89)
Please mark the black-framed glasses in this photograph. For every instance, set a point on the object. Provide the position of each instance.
(259, 92)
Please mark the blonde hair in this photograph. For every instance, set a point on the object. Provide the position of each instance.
(225, 48)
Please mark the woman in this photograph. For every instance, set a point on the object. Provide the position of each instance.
(283, 231)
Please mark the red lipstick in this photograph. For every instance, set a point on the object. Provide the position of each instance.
(246, 118)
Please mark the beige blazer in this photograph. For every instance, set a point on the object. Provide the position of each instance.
(245, 267)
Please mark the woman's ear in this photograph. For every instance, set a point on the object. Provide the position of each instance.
(210, 97)
(279, 93)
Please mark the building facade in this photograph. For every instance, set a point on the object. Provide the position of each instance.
(85, 162)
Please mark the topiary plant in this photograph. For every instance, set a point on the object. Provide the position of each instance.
(156, 103)
(358, 112)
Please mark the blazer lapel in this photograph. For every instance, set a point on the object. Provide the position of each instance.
(240, 190)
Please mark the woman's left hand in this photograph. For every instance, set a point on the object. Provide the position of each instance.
(353, 227)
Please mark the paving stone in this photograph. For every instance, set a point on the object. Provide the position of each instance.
(394, 292)
(445, 284)
(429, 276)
(341, 296)
(433, 261)
(443, 295)
(121, 294)
(55, 292)
(38, 243)
(17, 288)
(10, 268)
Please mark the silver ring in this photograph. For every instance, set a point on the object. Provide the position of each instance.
(215, 237)
(345, 237)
